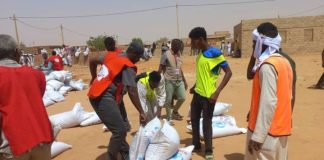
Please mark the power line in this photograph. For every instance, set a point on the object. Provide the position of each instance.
(35, 27)
(223, 3)
(305, 11)
(77, 33)
(139, 11)
(99, 15)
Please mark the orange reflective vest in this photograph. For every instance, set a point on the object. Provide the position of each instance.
(112, 66)
(112, 54)
(281, 124)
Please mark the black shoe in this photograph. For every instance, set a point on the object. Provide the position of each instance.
(177, 117)
(177, 114)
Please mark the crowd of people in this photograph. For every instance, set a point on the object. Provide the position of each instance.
(64, 56)
(269, 119)
(273, 75)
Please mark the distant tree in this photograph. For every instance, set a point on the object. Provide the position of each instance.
(97, 42)
(138, 41)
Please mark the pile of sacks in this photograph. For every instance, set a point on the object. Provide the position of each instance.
(58, 83)
(158, 142)
(223, 125)
(76, 117)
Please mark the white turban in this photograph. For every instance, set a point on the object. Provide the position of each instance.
(272, 43)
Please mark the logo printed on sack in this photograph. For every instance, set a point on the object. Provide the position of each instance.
(104, 72)
(218, 124)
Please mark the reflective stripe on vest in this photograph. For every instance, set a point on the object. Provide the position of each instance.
(282, 118)
(150, 95)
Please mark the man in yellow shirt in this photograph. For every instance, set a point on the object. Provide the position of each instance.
(210, 61)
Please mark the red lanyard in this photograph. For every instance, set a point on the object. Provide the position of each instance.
(175, 60)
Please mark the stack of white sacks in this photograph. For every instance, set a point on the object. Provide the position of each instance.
(223, 125)
(76, 117)
(158, 142)
(58, 83)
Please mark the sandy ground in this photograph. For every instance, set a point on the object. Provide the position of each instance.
(90, 143)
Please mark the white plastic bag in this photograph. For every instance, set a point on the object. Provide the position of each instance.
(58, 148)
(62, 76)
(47, 101)
(49, 77)
(183, 153)
(54, 96)
(55, 84)
(71, 118)
(92, 120)
(65, 89)
(222, 126)
(221, 108)
(56, 129)
(49, 88)
(165, 144)
(143, 138)
(57, 75)
(77, 85)
(67, 76)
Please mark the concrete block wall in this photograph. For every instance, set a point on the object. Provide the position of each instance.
(293, 27)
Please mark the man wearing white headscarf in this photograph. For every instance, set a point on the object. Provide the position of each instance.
(270, 115)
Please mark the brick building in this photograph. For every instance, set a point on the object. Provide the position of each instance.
(213, 39)
(299, 34)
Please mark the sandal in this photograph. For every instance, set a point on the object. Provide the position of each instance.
(177, 117)
(209, 156)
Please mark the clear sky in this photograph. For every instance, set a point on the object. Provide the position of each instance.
(149, 26)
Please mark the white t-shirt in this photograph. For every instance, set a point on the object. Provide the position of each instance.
(86, 52)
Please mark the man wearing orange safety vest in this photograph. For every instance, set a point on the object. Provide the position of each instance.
(116, 74)
(112, 51)
(270, 115)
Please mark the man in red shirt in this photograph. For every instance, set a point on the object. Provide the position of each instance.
(57, 62)
(26, 132)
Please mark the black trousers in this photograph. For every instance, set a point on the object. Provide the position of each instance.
(320, 81)
(200, 105)
(108, 111)
(123, 111)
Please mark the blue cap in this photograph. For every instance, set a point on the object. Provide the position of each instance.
(137, 48)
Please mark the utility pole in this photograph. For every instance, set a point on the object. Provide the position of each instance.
(62, 34)
(117, 40)
(16, 29)
(177, 10)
